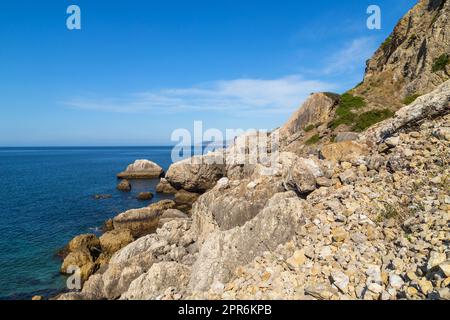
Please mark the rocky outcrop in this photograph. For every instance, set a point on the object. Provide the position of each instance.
(223, 251)
(196, 174)
(113, 241)
(299, 174)
(160, 277)
(142, 221)
(428, 106)
(165, 187)
(171, 214)
(184, 197)
(124, 186)
(145, 196)
(142, 169)
(232, 204)
(172, 243)
(344, 151)
(405, 65)
(81, 260)
(313, 116)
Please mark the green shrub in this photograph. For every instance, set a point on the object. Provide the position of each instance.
(386, 42)
(370, 118)
(344, 112)
(309, 127)
(410, 99)
(313, 140)
(441, 62)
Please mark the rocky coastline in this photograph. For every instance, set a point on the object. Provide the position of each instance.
(351, 207)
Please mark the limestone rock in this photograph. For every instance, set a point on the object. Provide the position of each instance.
(142, 221)
(165, 187)
(124, 186)
(344, 151)
(223, 251)
(142, 169)
(143, 196)
(196, 174)
(113, 241)
(81, 259)
(159, 277)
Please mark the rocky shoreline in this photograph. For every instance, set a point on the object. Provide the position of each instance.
(355, 203)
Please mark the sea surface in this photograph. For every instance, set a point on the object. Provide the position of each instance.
(47, 198)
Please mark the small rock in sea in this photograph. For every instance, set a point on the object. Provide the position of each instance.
(102, 196)
(124, 186)
(37, 298)
(143, 196)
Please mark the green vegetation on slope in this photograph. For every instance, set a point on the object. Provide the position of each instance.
(441, 62)
(313, 140)
(370, 118)
(410, 99)
(344, 114)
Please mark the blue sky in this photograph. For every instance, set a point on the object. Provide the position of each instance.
(140, 69)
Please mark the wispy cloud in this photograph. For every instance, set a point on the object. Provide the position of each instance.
(237, 96)
(243, 96)
(351, 57)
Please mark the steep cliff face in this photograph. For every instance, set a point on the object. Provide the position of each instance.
(413, 60)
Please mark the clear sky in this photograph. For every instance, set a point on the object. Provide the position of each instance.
(137, 70)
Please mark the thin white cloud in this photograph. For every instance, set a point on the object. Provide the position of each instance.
(242, 96)
(351, 57)
(238, 96)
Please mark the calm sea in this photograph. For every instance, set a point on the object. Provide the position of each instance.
(46, 198)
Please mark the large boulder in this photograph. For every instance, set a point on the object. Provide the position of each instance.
(348, 151)
(155, 281)
(184, 197)
(299, 174)
(223, 251)
(124, 186)
(225, 207)
(88, 242)
(145, 196)
(144, 220)
(197, 174)
(171, 214)
(169, 243)
(79, 260)
(165, 187)
(142, 169)
(113, 241)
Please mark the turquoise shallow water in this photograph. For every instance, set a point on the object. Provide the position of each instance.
(46, 198)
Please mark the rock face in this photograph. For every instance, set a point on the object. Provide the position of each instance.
(435, 104)
(197, 174)
(81, 259)
(405, 65)
(142, 221)
(317, 111)
(223, 251)
(113, 241)
(142, 169)
(154, 282)
(165, 187)
(124, 186)
(224, 209)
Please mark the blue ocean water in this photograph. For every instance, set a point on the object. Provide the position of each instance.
(46, 199)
